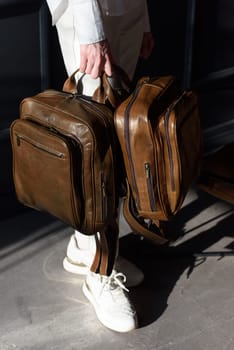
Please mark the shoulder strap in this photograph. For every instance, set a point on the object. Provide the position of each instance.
(154, 233)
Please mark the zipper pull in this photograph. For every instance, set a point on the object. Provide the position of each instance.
(147, 170)
(103, 186)
(18, 140)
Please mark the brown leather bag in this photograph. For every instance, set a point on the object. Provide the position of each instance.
(63, 159)
(158, 128)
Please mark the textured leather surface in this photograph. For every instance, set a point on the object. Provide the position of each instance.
(158, 128)
(79, 185)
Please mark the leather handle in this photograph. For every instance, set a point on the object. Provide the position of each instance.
(113, 89)
(70, 84)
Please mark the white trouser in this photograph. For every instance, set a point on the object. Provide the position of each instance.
(123, 32)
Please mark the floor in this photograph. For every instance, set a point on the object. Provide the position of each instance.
(185, 302)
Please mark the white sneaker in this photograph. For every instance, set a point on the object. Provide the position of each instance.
(79, 261)
(111, 304)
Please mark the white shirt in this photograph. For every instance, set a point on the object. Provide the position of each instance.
(88, 15)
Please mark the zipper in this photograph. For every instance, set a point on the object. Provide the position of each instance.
(92, 106)
(104, 197)
(149, 181)
(169, 148)
(127, 138)
(38, 145)
(108, 124)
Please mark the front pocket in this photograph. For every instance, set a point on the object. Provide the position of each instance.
(22, 138)
(46, 169)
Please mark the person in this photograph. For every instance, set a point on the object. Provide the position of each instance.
(95, 35)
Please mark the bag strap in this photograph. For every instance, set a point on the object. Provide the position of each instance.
(106, 249)
(112, 89)
(154, 233)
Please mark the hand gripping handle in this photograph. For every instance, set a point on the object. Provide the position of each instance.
(112, 90)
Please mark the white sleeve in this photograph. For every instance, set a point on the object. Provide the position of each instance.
(88, 21)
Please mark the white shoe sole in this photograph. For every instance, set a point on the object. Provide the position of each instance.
(99, 314)
(78, 269)
(134, 278)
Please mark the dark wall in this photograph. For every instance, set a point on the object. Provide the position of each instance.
(168, 24)
(24, 63)
(212, 69)
(194, 41)
(20, 62)
(214, 30)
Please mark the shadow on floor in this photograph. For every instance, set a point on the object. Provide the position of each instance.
(163, 266)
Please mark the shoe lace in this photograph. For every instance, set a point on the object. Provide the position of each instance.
(117, 279)
(114, 286)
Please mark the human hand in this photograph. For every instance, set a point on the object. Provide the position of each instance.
(96, 58)
(147, 45)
